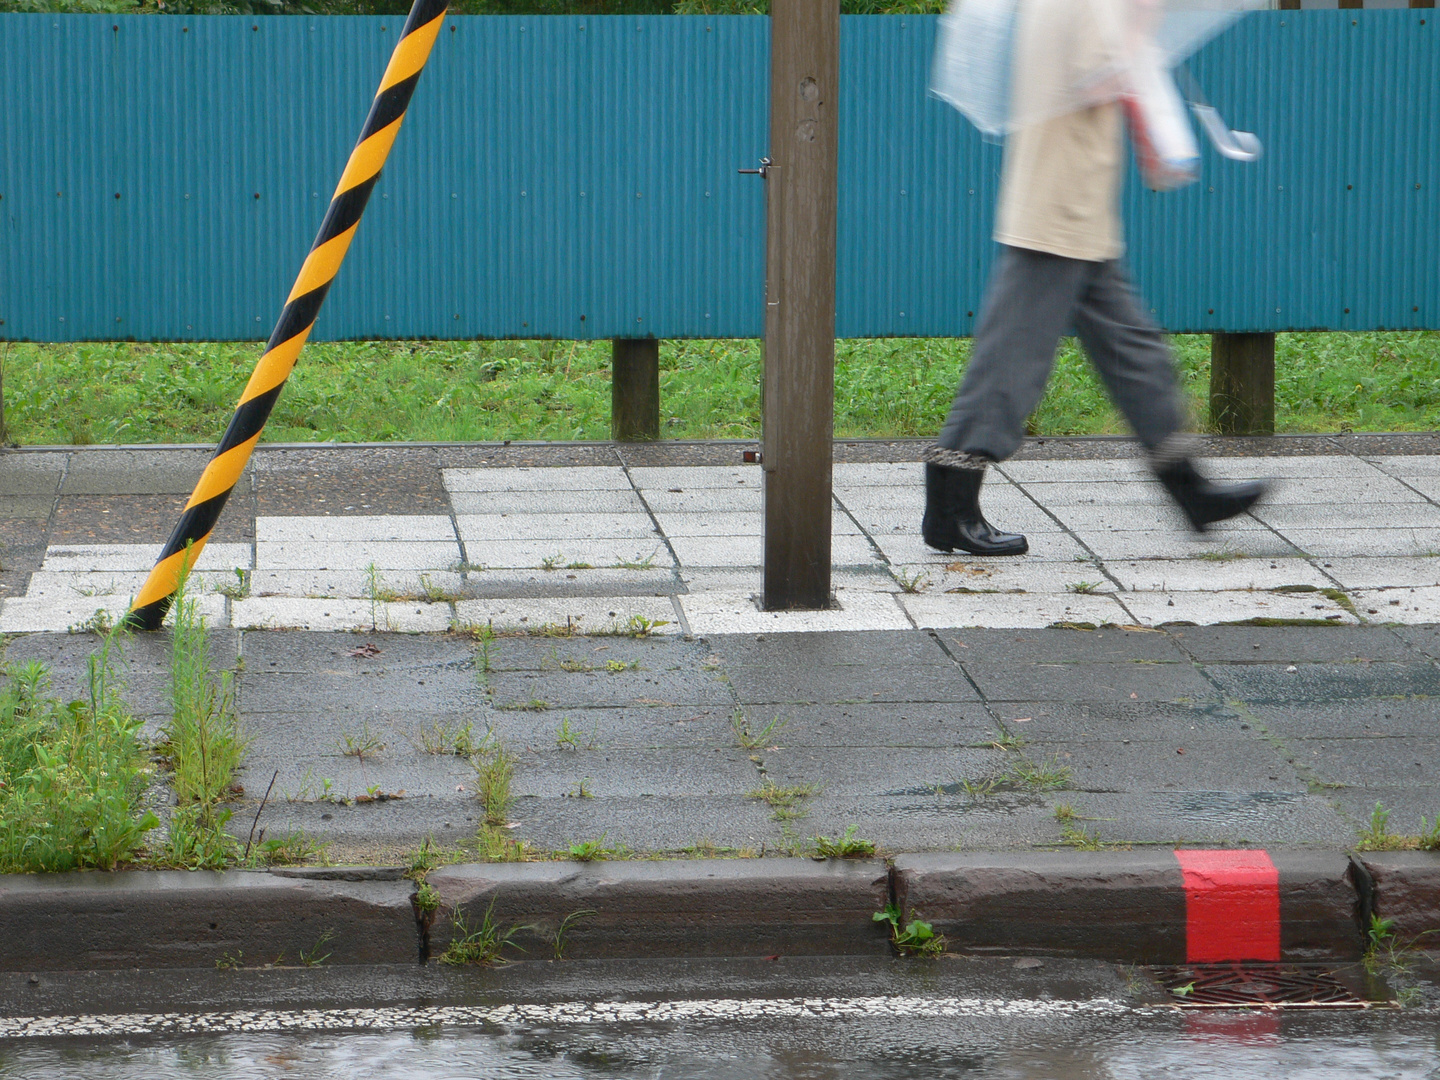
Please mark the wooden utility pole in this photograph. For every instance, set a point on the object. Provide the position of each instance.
(799, 351)
(635, 390)
(1242, 383)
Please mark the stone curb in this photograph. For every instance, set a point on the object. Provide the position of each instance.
(1128, 907)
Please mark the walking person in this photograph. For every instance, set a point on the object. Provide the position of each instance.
(1060, 266)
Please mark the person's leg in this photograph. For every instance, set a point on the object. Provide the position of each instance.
(1028, 302)
(1136, 365)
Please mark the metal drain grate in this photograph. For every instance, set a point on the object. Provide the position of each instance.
(1221, 986)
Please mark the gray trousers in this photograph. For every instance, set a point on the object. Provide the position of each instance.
(1031, 299)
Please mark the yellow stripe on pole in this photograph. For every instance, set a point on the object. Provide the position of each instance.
(223, 472)
(164, 579)
(322, 264)
(366, 159)
(410, 55)
(275, 366)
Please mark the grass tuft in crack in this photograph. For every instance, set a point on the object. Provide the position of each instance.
(481, 944)
(494, 771)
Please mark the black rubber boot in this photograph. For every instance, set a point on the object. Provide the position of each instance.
(953, 519)
(1204, 502)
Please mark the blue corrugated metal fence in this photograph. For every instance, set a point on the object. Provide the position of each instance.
(574, 177)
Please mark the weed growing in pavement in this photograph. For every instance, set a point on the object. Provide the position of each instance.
(427, 900)
(638, 626)
(579, 566)
(1006, 741)
(1080, 838)
(976, 790)
(533, 705)
(551, 562)
(238, 589)
(749, 739)
(560, 940)
(581, 790)
(572, 666)
(231, 961)
(1222, 556)
(482, 944)
(494, 771)
(196, 839)
(615, 667)
(1083, 586)
(494, 844)
(911, 937)
(363, 745)
(312, 789)
(592, 850)
(1064, 812)
(786, 803)
(1047, 775)
(566, 737)
(484, 651)
(849, 846)
(377, 592)
(912, 582)
(294, 848)
(70, 775)
(1376, 836)
(447, 740)
(313, 957)
(636, 564)
(99, 623)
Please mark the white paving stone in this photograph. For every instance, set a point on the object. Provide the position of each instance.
(1300, 466)
(703, 501)
(72, 586)
(598, 554)
(738, 613)
(737, 524)
(940, 610)
(1116, 493)
(1004, 576)
(351, 555)
(1160, 517)
(880, 474)
(1409, 465)
(748, 550)
(1428, 486)
(546, 502)
(697, 476)
(1344, 543)
(750, 579)
(1254, 541)
(591, 615)
(895, 500)
(359, 529)
(1420, 605)
(1185, 575)
(571, 478)
(26, 614)
(1023, 517)
(1098, 470)
(1044, 547)
(351, 583)
(87, 557)
(338, 613)
(1354, 515)
(1208, 608)
(1329, 491)
(1383, 573)
(555, 526)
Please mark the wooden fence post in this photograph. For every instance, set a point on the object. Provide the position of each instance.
(1242, 383)
(801, 183)
(635, 389)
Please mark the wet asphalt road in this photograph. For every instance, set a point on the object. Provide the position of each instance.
(822, 1018)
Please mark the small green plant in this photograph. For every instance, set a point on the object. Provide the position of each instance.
(1376, 836)
(575, 665)
(566, 737)
(533, 705)
(484, 651)
(1064, 812)
(581, 790)
(551, 562)
(495, 844)
(99, 623)
(432, 593)
(494, 771)
(636, 564)
(427, 900)
(1080, 838)
(1183, 991)
(1007, 741)
(1047, 775)
(1083, 586)
(640, 627)
(782, 798)
(482, 944)
(313, 957)
(614, 667)
(848, 846)
(578, 566)
(196, 839)
(912, 582)
(1222, 556)
(749, 739)
(378, 593)
(422, 860)
(975, 790)
(911, 937)
(293, 848)
(238, 589)
(592, 850)
(560, 940)
(447, 740)
(361, 745)
(231, 962)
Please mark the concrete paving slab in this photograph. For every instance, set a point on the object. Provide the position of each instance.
(574, 478)
(67, 655)
(1088, 472)
(556, 691)
(1128, 518)
(1360, 515)
(1383, 573)
(1299, 466)
(633, 773)
(1118, 494)
(1418, 465)
(1285, 645)
(1255, 542)
(565, 583)
(1348, 543)
(750, 581)
(1270, 684)
(736, 524)
(1123, 721)
(24, 615)
(845, 550)
(1412, 809)
(301, 653)
(577, 552)
(719, 612)
(31, 473)
(1331, 491)
(1190, 575)
(1044, 547)
(866, 726)
(1423, 639)
(703, 501)
(1091, 681)
(884, 474)
(358, 528)
(350, 583)
(486, 527)
(1003, 576)
(1008, 609)
(1428, 486)
(738, 476)
(126, 519)
(605, 501)
(539, 652)
(1400, 605)
(870, 667)
(136, 472)
(104, 557)
(1025, 518)
(630, 727)
(1110, 644)
(1196, 764)
(350, 695)
(647, 823)
(591, 615)
(35, 508)
(338, 613)
(70, 585)
(1364, 718)
(947, 822)
(357, 554)
(895, 772)
(1208, 817)
(906, 500)
(1402, 761)
(1161, 608)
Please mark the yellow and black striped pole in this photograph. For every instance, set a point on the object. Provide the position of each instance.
(298, 316)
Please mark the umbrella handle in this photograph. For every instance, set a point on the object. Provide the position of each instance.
(1235, 145)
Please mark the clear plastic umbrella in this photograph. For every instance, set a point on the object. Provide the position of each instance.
(1007, 64)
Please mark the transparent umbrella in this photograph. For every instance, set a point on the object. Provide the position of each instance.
(1007, 64)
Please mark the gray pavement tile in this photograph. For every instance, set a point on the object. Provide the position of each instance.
(778, 684)
(385, 487)
(1378, 718)
(1347, 543)
(1271, 818)
(930, 822)
(353, 697)
(1122, 722)
(635, 727)
(138, 519)
(31, 474)
(1290, 644)
(32, 509)
(1382, 572)
(1298, 491)
(1270, 684)
(364, 831)
(1399, 761)
(1352, 515)
(895, 772)
(140, 653)
(498, 584)
(913, 649)
(1236, 764)
(865, 726)
(137, 472)
(559, 527)
(574, 478)
(305, 751)
(611, 773)
(560, 690)
(302, 652)
(533, 455)
(1093, 681)
(1257, 543)
(1407, 806)
(538, 653)
(647, 823)
(1423, 639)
(686, 477)
(1060, 646)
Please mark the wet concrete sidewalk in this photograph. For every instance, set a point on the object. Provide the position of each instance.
(650, 703)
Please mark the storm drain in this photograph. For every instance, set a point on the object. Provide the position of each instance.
(1256, 985)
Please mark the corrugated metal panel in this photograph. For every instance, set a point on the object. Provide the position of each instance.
(574, 177)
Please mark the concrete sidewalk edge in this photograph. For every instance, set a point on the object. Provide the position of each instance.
(1121, 906)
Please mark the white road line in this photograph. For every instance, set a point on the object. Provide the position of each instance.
(574, 1012)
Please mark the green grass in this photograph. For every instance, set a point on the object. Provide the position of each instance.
(118, 392)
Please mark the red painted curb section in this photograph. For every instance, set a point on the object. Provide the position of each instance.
(1232, 906)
